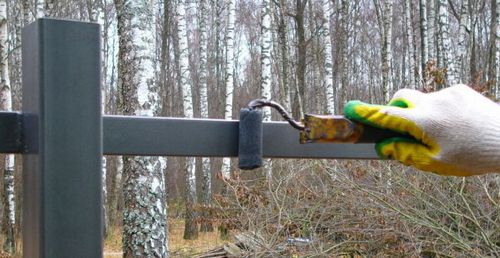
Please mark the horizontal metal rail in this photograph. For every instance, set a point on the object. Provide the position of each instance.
(160, 136)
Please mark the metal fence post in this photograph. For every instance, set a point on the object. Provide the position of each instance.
(63, 139)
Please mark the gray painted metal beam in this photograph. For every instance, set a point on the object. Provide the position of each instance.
(62, 203)
(125, 135)
(213, 138)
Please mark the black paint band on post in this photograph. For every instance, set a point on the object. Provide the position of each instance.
(250, 139)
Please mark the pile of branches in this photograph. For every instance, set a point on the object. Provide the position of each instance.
(325, 208)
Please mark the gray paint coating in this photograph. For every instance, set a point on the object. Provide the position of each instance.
(160, 136)
(63, 136)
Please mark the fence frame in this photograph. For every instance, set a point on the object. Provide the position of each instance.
(63, 135)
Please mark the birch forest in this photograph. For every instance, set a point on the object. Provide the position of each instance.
(208, 59)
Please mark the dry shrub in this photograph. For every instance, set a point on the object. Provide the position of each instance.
(435, 77)
(367, 208)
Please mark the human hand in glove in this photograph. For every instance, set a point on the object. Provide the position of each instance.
(456, 130)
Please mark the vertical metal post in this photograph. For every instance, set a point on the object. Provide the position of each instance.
(63, 139)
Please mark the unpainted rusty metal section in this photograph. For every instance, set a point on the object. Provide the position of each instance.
(328, 129)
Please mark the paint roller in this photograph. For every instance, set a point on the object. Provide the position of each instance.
(312, 129)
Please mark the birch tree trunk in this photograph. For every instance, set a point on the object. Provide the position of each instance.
(300, 73)
(144, 215)
(328, 66)
(17, 19)
(191, 228)
(206, 225)
(96, 14)
(110, 48)
(387, 51)
(411, 53)
(219, 44)
(6, 105)
(283, 54)
(228, 107)
(431, 4)
(265, 86)
(166, 63)
(496, 76)
(494, 45)
(40, 8)
(424, 37)
(461, 56)
(27, 17)
(344, 51)
(316, 62)
(445, 51)
(105, 210)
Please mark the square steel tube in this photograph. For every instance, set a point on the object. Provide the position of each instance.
(62, 202)
(161, 136)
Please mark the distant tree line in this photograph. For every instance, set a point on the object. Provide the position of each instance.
(208, 58)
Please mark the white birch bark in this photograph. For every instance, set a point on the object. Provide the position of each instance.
(497, 50)
(144, 215)
(191, 229)
(300, 52)
(94, 11)
(431, 5)
(317, 64)
(445, 51)
(387, 73)
(25, 7)
(109, 69)
(105, 209)
(265, 87)
(40, 8)
(328, 66)
(207, 177)
(228, 108)
(6, 105)
(285, 97)
(493, 57)
(98, 15)
(266, 45)
(409, 36)
(219, 43)
(387, 51)
(424, 35)
(461, 56)
(344, 50)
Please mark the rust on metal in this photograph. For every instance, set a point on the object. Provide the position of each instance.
(259, 103)
(327, 128)
(317, 128)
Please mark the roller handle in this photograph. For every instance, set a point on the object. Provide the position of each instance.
(338, 129)
(373, 134)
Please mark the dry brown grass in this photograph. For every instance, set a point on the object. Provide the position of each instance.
(178, 246)
(113, 243)
(366, 208)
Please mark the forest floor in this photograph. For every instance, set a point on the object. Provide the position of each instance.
(179, 247)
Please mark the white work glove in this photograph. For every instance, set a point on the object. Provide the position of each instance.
(456, 130)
